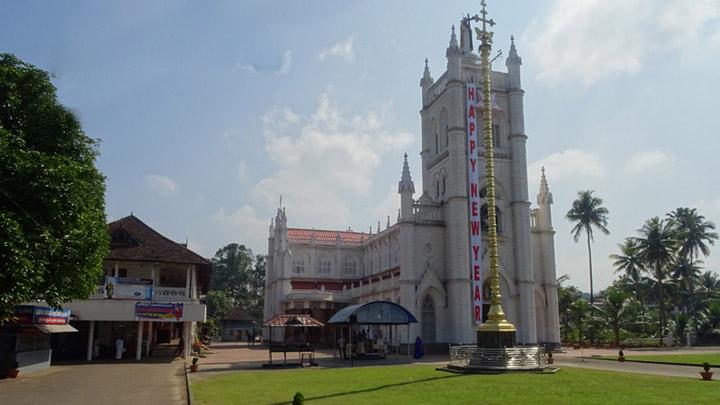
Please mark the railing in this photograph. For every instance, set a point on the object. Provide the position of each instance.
(169, 293)
(515, 358)
(427, 213)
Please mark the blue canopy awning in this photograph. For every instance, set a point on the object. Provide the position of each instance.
(374, 313)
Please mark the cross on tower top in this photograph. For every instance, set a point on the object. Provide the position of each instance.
(484, 20)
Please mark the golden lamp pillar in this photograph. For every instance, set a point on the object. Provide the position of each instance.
(496, 331)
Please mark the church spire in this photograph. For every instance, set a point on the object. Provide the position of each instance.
(544, 195)
(406, 182)
(513, 63)
(427, 79)
(453, 39)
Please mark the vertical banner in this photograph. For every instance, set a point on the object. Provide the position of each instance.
(473, 98)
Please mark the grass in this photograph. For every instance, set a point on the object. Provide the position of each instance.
(699, 359)
(422, 384)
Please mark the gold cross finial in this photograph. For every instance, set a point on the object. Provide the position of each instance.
(484, 15)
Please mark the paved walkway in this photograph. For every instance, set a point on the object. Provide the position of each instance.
(161, 383)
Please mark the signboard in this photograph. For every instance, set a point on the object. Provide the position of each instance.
(473, 99)
(31, 314)
(159, 312)
(128, 288)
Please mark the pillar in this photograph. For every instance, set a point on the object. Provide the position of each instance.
(186, 340)
(150, 338)
(138, 343)
(193, 282)
(91, 340)
(187, 282)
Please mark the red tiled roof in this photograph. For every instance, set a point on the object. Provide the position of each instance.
(326, 238)
(133, 240)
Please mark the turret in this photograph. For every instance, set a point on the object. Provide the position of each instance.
(543, 219)
(453, 54)
(406, 189)
(425, 83)
(513, 63)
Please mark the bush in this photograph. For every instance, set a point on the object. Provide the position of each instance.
(298, 399)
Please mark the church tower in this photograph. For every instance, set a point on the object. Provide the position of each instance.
(444, 180)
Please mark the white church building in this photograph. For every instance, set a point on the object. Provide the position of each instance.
(422, 262)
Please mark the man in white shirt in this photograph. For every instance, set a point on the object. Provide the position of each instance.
(119, 348)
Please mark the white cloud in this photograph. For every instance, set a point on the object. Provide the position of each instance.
(282, 68)
(343, 50)
(710, 207)
(571, 163)
(242, 171)
(324, 160)
(160, 184)
(244, 225)
(588, 40)
(648, 161)
(285, 62)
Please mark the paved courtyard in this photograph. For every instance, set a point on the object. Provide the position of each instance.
(161, 383)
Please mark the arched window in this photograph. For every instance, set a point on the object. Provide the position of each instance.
(444, 127)
(437, 189)
(496, 136)
(323, 266)
(484, 219)
(444, 181)
(428, 319)
(298, 266)
(349, 267)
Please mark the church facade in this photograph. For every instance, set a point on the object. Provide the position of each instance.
(423, 260)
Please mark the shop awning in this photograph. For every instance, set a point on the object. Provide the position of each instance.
(55, 328)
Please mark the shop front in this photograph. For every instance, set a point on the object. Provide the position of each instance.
(28, 340)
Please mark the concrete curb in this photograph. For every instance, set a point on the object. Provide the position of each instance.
(188, 390)
(663, 363)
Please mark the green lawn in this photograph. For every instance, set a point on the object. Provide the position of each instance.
(699, 359)
(421, 384)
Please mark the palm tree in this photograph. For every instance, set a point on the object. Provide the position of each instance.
(615, 311)
(587, 213)
(694, 234)
(687, 274)
(566, 297)
(628, 261)
(709, 285)
(656, 248)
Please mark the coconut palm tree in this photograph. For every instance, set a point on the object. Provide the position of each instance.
(656, 248)
(709, 285)
(695, 236)
(588, 213)
(687, 274)
(615, 311)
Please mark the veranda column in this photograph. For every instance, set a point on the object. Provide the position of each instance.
(91, 340)
(138, 343)
(186, 340)
(187, 282)
(150, 338)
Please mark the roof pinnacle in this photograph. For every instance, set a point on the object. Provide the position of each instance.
(406, 182)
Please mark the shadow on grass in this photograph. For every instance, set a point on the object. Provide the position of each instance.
(378, 388)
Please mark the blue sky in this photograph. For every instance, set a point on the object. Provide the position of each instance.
(207, 111)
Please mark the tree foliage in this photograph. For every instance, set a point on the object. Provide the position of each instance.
(238, 277)
(53, 235)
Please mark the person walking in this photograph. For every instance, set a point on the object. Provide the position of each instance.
(341, 344)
